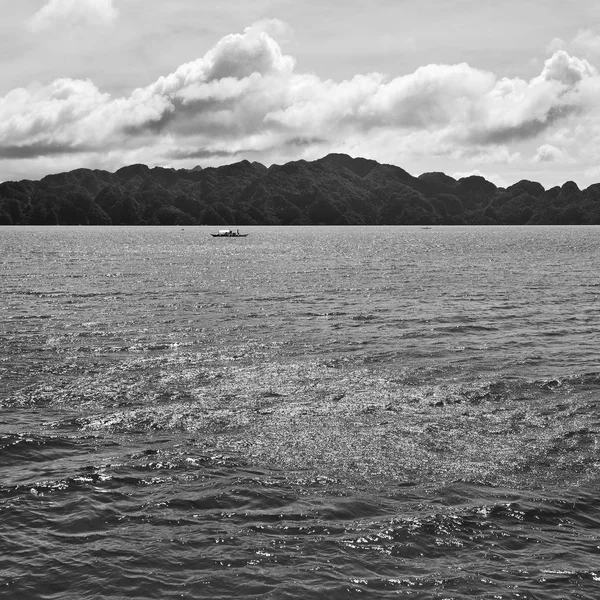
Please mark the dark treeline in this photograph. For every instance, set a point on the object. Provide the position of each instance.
(335, 190)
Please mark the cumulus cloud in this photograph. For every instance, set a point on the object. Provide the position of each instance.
(245, 96)
(566, 69)
(549, 153)
(555, 45)
(73, 12)
(586, 43)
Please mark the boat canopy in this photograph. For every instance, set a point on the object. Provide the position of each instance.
(224, 231)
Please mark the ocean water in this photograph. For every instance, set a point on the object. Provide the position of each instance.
(306, 412)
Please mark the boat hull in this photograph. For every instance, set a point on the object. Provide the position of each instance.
(229, 236)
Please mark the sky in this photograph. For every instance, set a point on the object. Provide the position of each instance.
(507, 89)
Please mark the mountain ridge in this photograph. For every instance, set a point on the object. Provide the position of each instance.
(334, 190)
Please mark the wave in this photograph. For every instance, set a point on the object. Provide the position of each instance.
(451, 329)
(30, 317)
(15, 448)
(347, 417)
(583, 381)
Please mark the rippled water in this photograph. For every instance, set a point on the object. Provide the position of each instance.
(302, 413)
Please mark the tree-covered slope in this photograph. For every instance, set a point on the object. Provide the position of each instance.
(334, 190)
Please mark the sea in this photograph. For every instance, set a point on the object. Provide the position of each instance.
(305, 412)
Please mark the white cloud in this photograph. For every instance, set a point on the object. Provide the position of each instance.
(555, 45)
(549, 153)
(566, 69)
(478, 155)
(244, 97)
(57, 13)
(276, 28)
(587, 43)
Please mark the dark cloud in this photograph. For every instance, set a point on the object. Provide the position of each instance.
(151, 126)
(183, 154)
(523, 131)
(35, 151)
(303, 142)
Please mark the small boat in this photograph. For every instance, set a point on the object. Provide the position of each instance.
(228, 233)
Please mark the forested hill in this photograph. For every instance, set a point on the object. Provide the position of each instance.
(334, 190)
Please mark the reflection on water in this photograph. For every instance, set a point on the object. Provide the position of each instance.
(305, 411)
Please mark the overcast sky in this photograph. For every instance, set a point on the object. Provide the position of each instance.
(508, 89)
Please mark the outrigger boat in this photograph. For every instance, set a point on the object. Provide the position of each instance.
(228, 233)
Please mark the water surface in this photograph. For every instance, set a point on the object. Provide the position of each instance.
(304, 412)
